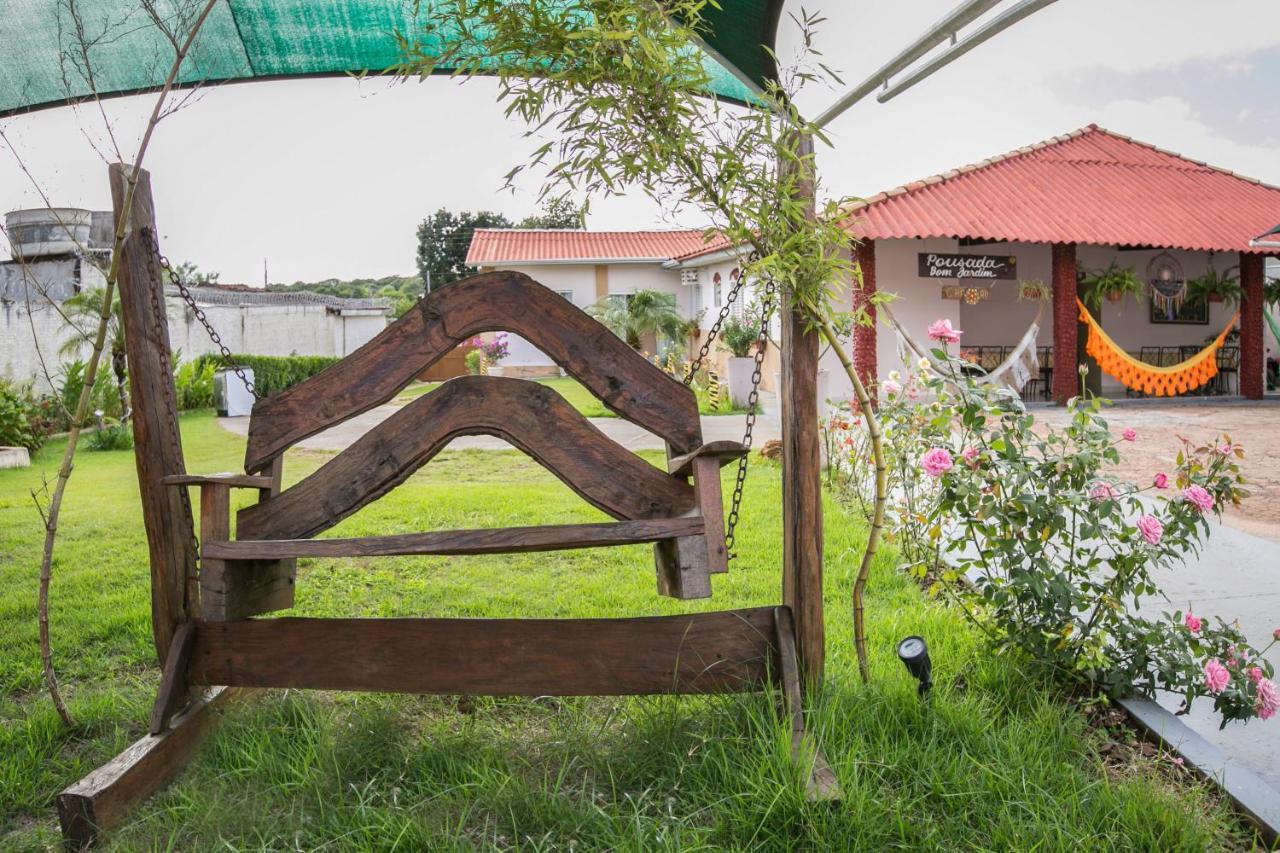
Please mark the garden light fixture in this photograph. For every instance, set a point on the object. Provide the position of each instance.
(914, 652)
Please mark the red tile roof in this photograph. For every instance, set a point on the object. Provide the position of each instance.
(1090, 186)
(491, 246)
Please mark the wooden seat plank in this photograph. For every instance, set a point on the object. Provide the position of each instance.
(723, 451)
(727, 651)
(619, 376)
(461, 542)
(237, 481)
(530, 416)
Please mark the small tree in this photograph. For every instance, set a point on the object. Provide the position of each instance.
(557, 214)
(443, 241)
(642, 313)
(82, 312)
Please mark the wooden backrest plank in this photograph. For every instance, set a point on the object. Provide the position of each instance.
(530, 416)
(157, 440)
(498, 301)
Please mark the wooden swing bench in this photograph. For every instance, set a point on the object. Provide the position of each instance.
(206, 630)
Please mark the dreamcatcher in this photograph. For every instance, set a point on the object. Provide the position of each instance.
(1168, 284)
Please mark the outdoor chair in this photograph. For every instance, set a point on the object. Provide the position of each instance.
(1228, 369)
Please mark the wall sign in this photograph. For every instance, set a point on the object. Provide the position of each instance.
(944, 265)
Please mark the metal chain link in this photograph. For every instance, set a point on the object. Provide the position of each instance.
(735, 505)
(177, 282)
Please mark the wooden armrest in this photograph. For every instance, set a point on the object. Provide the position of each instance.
(235, 481)
(725, 451)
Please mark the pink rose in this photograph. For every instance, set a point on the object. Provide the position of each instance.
(936, 461)
(1193, 623)
(1129, 434)
(1216, 676)
(1268, 699)
(1160, 480)
(970, 456)
(891, 387)
(1198, 498)
(913, 393)
(1151, 529)
(1255, 674)
(1103, 492)
(1226, 449)
(1275, 635)
(941, 330)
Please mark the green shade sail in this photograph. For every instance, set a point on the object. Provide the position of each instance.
(42, 63)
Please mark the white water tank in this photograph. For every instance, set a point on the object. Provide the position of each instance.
(48, 231)
(231, 397)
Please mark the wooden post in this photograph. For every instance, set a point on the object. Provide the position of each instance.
(801, 464)
(864, 337)
(1252, 379)
(1066, 379)
(166, 514)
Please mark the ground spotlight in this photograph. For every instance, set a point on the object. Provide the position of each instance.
(915, 654)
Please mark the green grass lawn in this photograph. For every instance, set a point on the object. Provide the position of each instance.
(578, 396)
(993, 759)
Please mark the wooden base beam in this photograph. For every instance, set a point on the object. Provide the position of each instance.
(101, 800)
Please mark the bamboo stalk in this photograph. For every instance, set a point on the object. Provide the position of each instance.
(90, 374)
(881, 496)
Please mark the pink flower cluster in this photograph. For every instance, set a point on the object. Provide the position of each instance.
(1193, 623)
(1216, 677)
(1151, 529)
(940, 330)
(1198, 497)
(936, 461)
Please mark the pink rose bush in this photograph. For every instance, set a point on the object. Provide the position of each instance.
(1059, 553)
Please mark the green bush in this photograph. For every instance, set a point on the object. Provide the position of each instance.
(111, 435)
(16, 410)
(104, 397)
(739, 337)
(273, 373)
(194, 383)
(474, 360)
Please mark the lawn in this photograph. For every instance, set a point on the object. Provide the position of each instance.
(993, 759)
(578, 396)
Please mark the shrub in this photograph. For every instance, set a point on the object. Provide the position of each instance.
(194, 382)
(474, 360)
(273, 373)
(110, 434)
(739, 337)
(494, 350)
(16, 430)
(104, 396)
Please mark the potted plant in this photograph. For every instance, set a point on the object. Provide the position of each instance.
(739, 338)
(1113, 283)
(1214, 286)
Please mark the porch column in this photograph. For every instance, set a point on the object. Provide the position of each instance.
(1251, 344)
(864, 337)
(1066, 381)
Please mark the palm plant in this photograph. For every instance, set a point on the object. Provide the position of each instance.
(83, 311)
(643, 312)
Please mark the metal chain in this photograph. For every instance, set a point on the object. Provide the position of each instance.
(735, 505)
(177, 282)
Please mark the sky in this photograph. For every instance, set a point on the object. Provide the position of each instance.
(329, 178)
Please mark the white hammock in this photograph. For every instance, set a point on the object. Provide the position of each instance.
(1014, 372)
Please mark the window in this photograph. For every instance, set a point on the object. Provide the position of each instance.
(566, 294)
(716, 288)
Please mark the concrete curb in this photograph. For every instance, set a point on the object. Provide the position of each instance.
(1252, 798)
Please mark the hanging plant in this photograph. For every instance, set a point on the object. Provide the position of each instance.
(1271, 292)
(1214, 286)
(1113, 283)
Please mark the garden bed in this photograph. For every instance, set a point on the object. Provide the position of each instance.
(992, 759)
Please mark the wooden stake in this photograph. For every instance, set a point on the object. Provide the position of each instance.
(802, 466)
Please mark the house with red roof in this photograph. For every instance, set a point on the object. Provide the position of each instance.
(973, 244)
(959, 245)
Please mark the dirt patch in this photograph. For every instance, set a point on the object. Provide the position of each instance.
(1161, 427)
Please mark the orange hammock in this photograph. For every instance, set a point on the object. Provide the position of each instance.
(1140, 376)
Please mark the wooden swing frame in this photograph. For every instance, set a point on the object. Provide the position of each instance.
(202, 605)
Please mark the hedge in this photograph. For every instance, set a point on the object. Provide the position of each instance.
(274, 373)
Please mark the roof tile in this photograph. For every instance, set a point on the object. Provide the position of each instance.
(513, 245)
